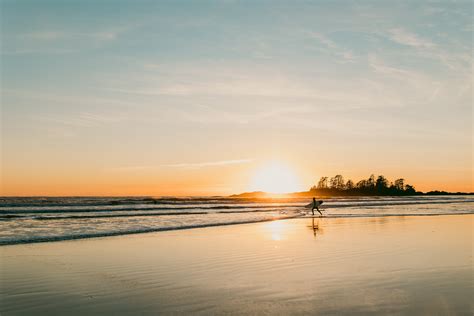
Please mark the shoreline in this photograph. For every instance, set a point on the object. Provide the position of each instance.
(165, 229)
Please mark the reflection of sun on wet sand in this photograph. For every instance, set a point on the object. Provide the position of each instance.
(381, 265)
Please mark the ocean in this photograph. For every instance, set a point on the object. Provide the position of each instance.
(41, 219)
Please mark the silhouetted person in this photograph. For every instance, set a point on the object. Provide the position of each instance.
(315, 206)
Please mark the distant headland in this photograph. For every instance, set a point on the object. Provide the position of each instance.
(336, 186)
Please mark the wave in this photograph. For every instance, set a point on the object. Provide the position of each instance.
(251, 208)
(85, 210)
(38, 239)
(145, 214)
(100, 201)
(74, 218)
(122, 201)
(150, 214)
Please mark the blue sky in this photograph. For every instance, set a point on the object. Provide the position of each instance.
(111, 87)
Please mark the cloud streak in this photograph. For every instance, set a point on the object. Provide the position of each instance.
(199, 165)
(84, 119)
(186, 165)
(61, 35)
(332, 47)
(406, 38)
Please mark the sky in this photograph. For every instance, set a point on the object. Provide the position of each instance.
(201, 97)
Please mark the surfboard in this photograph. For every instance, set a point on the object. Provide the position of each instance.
(310, 205)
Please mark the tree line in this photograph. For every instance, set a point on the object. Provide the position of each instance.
(371, 186)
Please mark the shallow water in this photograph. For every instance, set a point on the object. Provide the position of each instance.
(26, 220)
(329, 266)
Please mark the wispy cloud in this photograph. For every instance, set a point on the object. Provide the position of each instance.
(40, 51)
(48, 35)
(409, 86)
(198, 165)
(263, 115)
(323, 39)
(218, 82)
(58, 41)
(228, 80)
(381, 67)
(404, 37)
(84, 119)
(44, 35)
(457, 58)
(332, 47)
(187, 165)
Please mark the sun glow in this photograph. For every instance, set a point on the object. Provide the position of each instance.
(275, 177)
(276, 230)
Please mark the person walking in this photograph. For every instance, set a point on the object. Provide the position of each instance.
(316, 205)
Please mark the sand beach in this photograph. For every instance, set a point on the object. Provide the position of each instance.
(381, 265)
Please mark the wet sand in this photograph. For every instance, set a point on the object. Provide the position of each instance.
(390, 265)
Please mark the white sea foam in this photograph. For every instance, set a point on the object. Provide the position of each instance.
(25, 220)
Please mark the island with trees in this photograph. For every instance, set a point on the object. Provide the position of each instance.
(372, 186)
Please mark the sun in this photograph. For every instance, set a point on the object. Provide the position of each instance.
(275, 177)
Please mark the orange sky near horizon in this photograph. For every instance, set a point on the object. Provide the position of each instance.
(196, 181)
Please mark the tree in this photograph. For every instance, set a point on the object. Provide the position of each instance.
(362, 184)
(410, 189)
(369, 186)
(337, 182)
(381, 184)
(323, 183)
(399, 184)
(349, 185)
(371, 181)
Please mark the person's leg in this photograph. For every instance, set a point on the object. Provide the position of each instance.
(319, 211)
(312, 210)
